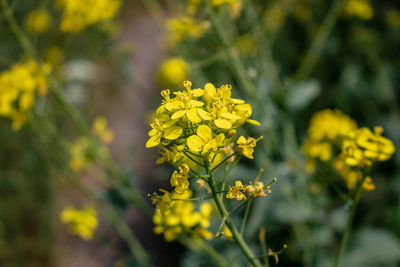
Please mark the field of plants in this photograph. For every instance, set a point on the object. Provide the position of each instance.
(199, 133)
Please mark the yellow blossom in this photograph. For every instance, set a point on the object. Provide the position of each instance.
(359, 8)
(256, 190)
(38, 21)
(77, 15)
(184, 27)
(100, 129)
(19, 87)
(245, 146)
(179, 180)
(236, 191)
(173, 72)
(203, 142)
(81, 222)
(368, 185)
(163, 202)
(183, 218)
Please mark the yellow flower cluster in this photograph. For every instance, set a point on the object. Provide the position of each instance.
(235, 6)
(181, 217)
(18, 88)
(195, 126)
(37, 21)
(81, 222)
(80, 149)
(185, 27)
(79, 14)
(172, 72)
(359, 8)
(258, 189)
(335, 137)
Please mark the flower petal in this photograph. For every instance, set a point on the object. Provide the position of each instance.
(195, 143)
(222, 123)
(192, 115)
(153, 141)
(173, 132)
(178, 114)
(204, 132)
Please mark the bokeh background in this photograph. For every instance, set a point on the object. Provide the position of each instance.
(288, 58)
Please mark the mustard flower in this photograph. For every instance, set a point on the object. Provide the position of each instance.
(182, 217)
(163, 202)
(77, 15)
(81, 222)
(203, 142)
(173, 72)
(237, 191)
(19, 87)
(245, 146)
(100, 129)
(37, 21)
(179, 180)
(359, 8)
(257, 189)
(182, 28)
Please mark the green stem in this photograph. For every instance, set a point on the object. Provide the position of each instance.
(18, 33)
(224, 213)
(198, 244)
(320, 39)
(246, 215)
(222, 162)
(133, 243)
(346, 234)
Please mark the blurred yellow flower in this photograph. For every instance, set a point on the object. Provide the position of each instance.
(18, 88)
(37, 21)
(81, 222)
(245, 146)
(181, 217)
(173, 72)
(77, 15)
(181, 28)
(100, 129)
(359, 8)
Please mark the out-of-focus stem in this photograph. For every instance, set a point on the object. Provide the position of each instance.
(319, 41)
(346, 234)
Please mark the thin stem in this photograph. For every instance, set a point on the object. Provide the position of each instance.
(263, 243)
(133, 243)
(346, 234)
(224, 213)
(227, 171)
(246, 215)
(192, 159)
(192, 199)
(198, 244)
(222, 162)
(18, 33)
(320, 39)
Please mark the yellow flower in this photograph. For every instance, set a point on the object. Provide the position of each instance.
(79, 14)
(182, 218)
(38, 21)
(256, 190)
(203, 142)
(368, 185)
(163, 129)
(100, 129)
(182, 28)
(246, 147)
(236, 191)
(18, 89)
(81, 222)
(173, 72)
(180, 180)
(367, 147)
(162, 202)
(359, 8)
